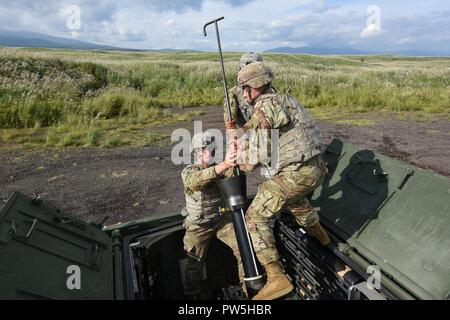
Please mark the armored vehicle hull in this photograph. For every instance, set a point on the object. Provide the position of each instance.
(389, 223)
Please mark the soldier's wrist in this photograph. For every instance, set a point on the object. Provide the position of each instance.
(221, 167)
(226, 165)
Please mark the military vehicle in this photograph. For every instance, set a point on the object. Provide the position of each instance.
(389, 222)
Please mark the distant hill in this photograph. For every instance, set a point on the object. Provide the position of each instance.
(351, 51)
(40, 40)
(28, 39)
(317, 50)
(422, 53)
(175, 50)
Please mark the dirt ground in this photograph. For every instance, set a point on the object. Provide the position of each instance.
(128, 183)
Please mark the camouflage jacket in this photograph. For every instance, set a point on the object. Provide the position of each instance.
(203, 197)
(299, 138)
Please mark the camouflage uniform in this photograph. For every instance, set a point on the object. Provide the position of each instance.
(203, 221)
(299, 170)
(287, 189)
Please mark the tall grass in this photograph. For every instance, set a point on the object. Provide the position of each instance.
(72, 89)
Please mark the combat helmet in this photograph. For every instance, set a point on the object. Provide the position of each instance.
(248, 58)
(255, 75)
(203, 140)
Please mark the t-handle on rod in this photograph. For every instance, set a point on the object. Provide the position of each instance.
(224, 79)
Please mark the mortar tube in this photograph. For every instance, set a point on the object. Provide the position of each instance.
(253, 279)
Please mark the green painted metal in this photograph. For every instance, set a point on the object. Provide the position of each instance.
(383, 211)
(41, 251)
(136, 226)
(395, 215)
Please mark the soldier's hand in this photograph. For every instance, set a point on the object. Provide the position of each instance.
(231, 156)
(230, 124)
(230, 159)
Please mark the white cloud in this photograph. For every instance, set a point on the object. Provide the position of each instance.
(372, 30)
(248, 25)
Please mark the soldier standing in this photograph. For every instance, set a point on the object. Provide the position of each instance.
(203, 220)
(298, 170)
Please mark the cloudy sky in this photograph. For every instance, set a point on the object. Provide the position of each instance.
(249, 25)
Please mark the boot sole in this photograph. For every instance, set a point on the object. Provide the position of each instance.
(278, 294)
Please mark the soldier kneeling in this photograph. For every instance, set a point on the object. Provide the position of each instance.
(203, 220)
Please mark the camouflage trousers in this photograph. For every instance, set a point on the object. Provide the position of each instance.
(197, 240)
(287, 189)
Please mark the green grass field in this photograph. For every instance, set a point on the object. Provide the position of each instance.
(60, 98)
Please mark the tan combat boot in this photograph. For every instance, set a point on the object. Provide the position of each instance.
(318, 232)
(277, 284)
